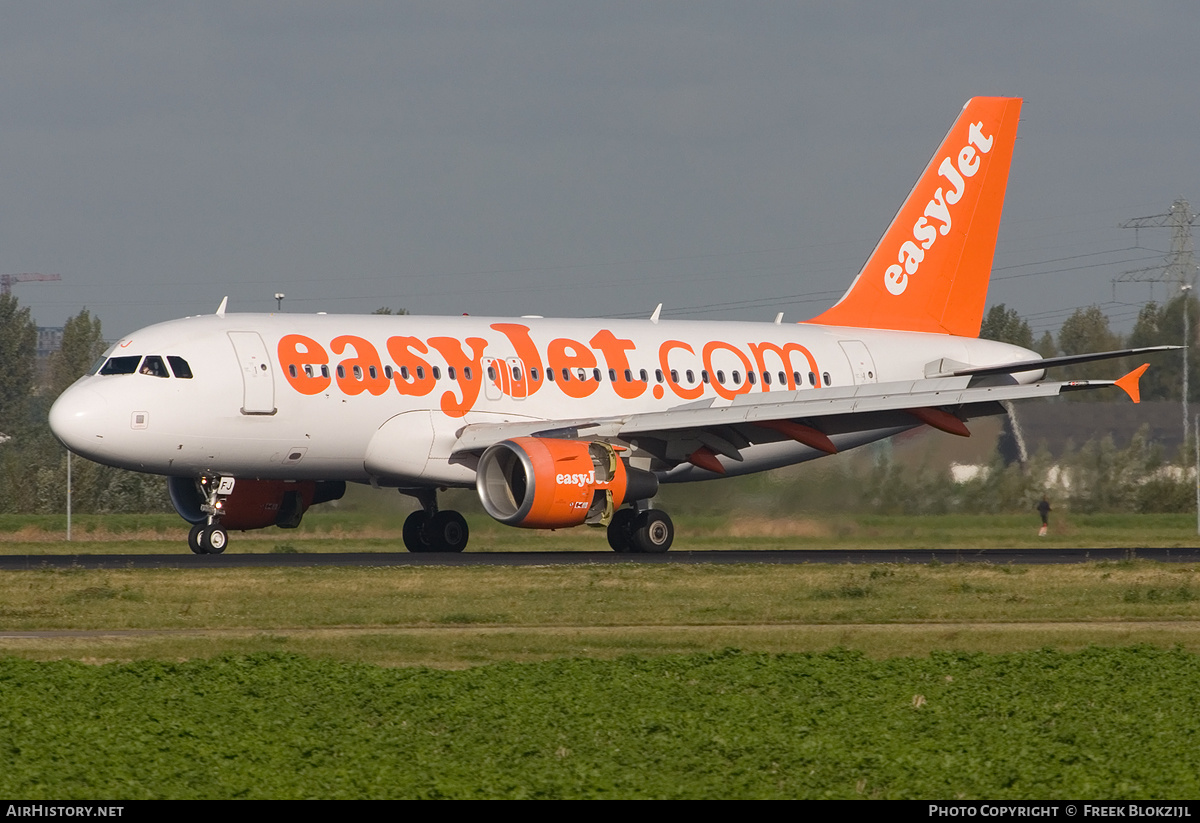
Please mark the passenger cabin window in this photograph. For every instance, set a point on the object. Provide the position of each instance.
(121, 365)
(825, 377)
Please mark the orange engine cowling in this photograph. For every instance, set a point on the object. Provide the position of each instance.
(543, 483)
(255, 504)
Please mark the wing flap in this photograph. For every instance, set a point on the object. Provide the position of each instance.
(843, 403)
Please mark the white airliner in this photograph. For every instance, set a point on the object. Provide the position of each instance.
(558, 422)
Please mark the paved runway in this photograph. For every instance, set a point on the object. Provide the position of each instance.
(240, 561)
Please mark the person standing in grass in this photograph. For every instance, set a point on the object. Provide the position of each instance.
(1043, 508)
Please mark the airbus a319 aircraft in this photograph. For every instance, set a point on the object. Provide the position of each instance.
(254, 418)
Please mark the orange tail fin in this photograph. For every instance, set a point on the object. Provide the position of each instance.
(930, 270)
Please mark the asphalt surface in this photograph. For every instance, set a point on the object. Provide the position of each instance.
(184, 560)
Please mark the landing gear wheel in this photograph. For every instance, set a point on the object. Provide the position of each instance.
(653, 532)
(448, 532)
(620, 530)
(214, 539)
(196, 539)
(415, 537)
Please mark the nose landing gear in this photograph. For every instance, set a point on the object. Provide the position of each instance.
(210, 537)
(207, 539)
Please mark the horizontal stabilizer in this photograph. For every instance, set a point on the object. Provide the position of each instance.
(1129, 383)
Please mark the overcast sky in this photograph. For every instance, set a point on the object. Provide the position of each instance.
(728, 159)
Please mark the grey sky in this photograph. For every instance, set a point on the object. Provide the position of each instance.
(728, 159)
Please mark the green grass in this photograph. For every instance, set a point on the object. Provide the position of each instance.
(1096, 724)
(455, 617)
(342, 531)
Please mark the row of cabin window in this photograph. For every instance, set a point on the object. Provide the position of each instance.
(151, 364)
(581, 374)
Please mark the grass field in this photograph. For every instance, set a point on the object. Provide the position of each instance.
(604, 681)
(1102, 723)
(327, 531)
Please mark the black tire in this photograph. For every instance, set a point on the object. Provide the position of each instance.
(215, 539)
(620, 530)
(415, 537)
(196, 539)
(448, 532)
(653, 532)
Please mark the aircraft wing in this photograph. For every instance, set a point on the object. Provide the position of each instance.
(811, 417)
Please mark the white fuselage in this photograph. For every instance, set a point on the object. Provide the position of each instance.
(305, 396)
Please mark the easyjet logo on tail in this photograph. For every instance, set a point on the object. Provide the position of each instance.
(925, 233)
(937, 252)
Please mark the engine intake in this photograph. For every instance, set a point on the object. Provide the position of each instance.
(544, 483)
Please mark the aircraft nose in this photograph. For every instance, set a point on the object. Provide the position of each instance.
(76, 419)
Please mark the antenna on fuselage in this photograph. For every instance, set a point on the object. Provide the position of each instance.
(657, 312)
(221, 308)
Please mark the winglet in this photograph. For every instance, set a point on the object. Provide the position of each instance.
(221, 308)
(1129, 383)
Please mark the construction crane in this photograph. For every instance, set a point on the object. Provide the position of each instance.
(6, 280)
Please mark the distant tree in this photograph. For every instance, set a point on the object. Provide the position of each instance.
(1046, 346)
(18, 347)
(387, 310)
(1163, 325)
(1004, 324)
(82, 345)
(1087, 331)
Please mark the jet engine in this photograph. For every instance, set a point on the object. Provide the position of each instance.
(543, 483)
(254, 504)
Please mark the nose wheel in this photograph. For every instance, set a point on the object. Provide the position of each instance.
(206, 539)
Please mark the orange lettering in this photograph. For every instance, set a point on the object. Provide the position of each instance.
(785, 357)
(614, 349)
(297, 351)
(664, 352)
(451, 349)
(362, 373)
(527, 353)
(579, 357)
(718, 385)
(412, 373)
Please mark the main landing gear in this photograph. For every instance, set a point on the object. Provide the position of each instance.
(644, 532)
(430, 530)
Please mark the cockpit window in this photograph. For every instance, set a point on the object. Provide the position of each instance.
(154, 366)
(180, 367)
(95, 369)
(121, 365)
